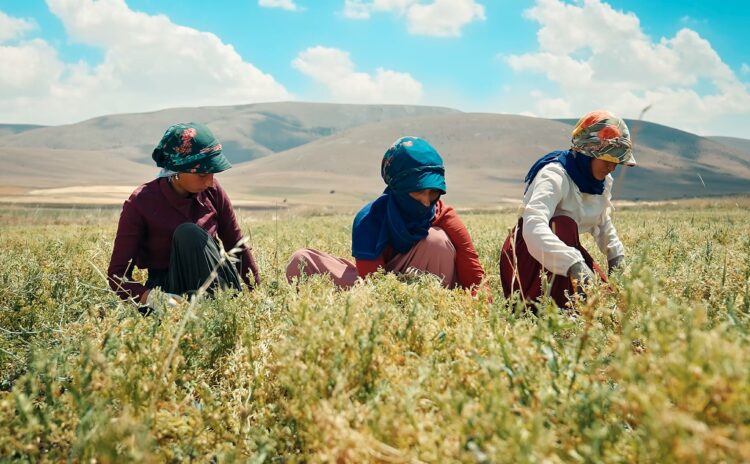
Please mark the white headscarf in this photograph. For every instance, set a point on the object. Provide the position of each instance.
(165, 173)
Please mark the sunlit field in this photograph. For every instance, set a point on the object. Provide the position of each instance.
(655, 368)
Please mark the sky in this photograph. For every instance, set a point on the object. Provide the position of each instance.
(686, 63)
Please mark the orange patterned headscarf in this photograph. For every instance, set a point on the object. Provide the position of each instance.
(602, 135)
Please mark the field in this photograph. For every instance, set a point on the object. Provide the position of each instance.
(656, 369)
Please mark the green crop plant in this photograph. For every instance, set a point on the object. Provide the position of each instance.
(653, 368)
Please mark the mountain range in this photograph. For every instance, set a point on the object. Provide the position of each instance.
(329, 155)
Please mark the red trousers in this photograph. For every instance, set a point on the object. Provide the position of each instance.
(519, 271)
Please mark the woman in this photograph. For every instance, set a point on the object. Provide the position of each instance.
(169, 225)
(567, 193)
(408, 228)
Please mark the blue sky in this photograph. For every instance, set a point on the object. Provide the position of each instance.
(69, 60)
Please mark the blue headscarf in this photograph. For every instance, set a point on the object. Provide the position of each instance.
(578, 167)
(395, 217)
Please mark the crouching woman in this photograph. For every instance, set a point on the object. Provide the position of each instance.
(171, 226)
(408, 228)
(567, 193)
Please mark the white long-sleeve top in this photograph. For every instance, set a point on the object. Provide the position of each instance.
(553, 193)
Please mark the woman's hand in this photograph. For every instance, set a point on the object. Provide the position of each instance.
(154, 298)
(581, 276)
(614, 264)
(484, 288)
(144, 297)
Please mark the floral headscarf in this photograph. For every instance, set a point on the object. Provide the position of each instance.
(190, 147)
(602, 135)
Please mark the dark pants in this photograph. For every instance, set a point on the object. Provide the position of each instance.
(519, 271)
(193, 256)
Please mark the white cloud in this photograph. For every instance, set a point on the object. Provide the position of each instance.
(149, 63)
(745, 69)
(29, 70)
(362, 9)
(601, 58)
(334, 69)
(441, 18)
(283, 4)
(356, 9)
(11, 28)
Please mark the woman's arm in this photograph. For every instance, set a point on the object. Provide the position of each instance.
(606, 237)
(130, 233)
(547, 190)
(230, 234)
(469, 270)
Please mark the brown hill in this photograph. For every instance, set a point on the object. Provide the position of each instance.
(738, 143)
(327, 154)
(44, 168)
(246, 131)
(113, 153)
(9, 129)
(486, 157)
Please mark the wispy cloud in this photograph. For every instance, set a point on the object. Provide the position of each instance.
(149, 63)
(11, 28)
(334, 69)
(690, 21)
(623, 70)
(283, 4)
(439, 18)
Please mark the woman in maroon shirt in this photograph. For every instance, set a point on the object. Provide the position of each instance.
(171, 224)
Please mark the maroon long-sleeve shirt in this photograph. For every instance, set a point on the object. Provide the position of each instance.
(148, 221)
(469, 271)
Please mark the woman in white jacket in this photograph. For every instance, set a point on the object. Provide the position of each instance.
(567, 193)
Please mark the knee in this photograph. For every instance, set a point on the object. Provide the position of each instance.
(188, 230)
(438, 242)
(297, 264)
(565, 228)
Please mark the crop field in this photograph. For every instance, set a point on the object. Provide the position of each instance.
(654, 368)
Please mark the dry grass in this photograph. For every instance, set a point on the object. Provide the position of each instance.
(392, 371)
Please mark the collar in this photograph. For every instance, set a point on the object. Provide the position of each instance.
(181, 204)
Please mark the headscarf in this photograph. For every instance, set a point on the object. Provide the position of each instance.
(602, 135)
(576, 165)
(190, 147)
(395, 218)
(598, 134)
(165, 173)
